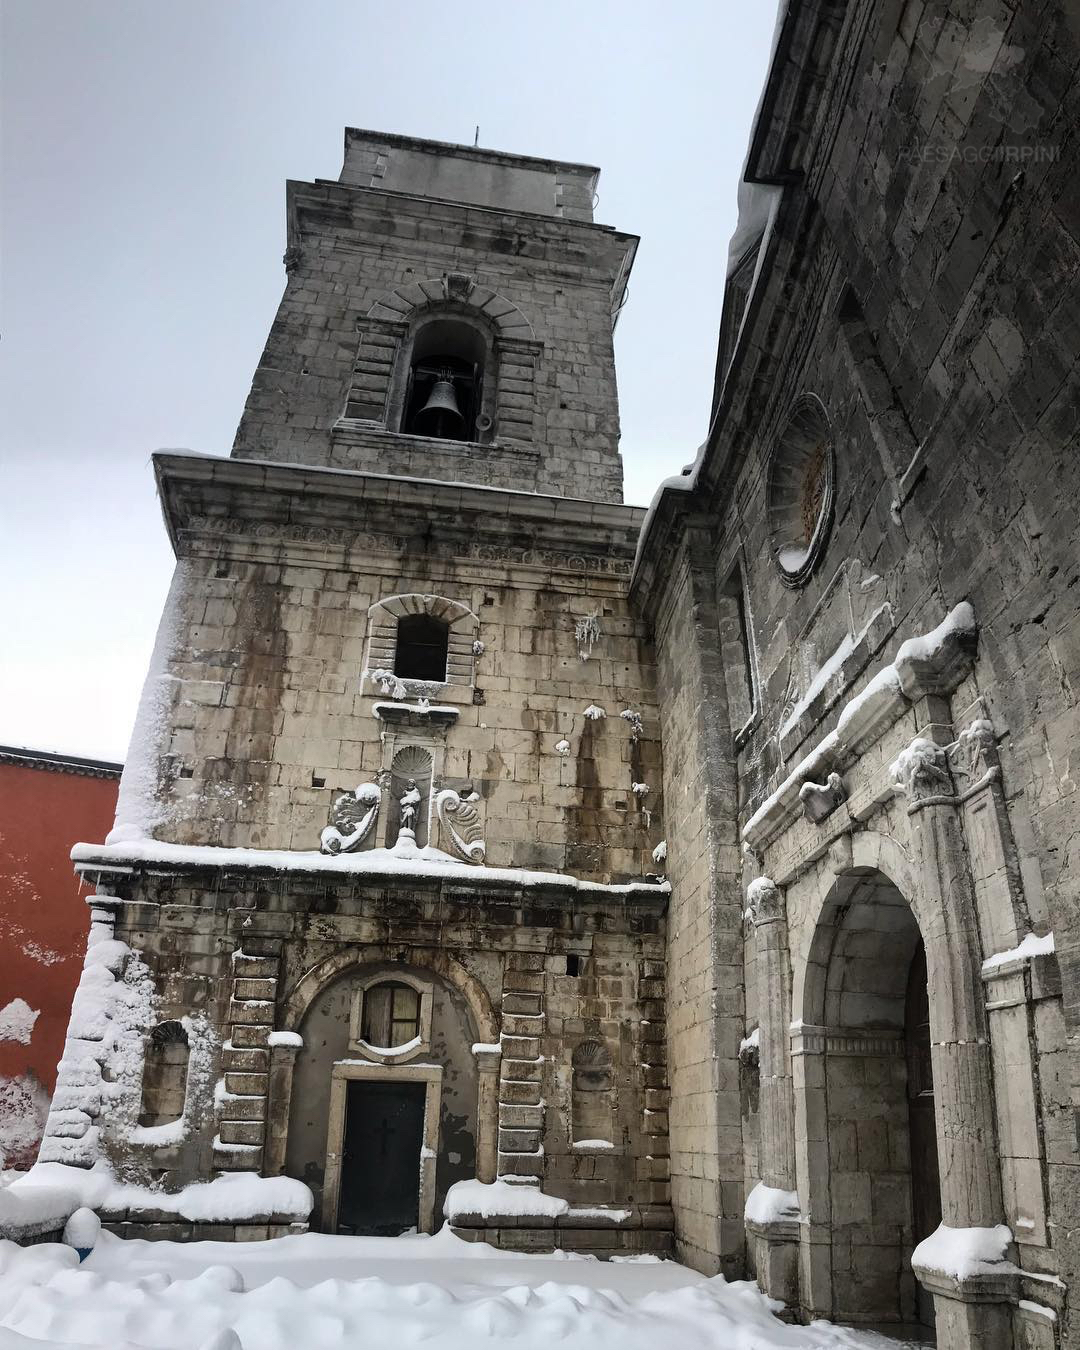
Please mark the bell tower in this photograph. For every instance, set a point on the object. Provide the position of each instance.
(448, 315)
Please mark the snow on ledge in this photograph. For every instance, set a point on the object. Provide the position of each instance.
(499, 1199)
(407, 861)
(963, 1252)
(769, 1204)
(1029, 946)
(290, 1040)
(863, 717)
(53, 1191)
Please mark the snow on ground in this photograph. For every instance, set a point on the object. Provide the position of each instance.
(324, 1292)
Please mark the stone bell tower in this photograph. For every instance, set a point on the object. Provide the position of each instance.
(385, 862)
(472, 275)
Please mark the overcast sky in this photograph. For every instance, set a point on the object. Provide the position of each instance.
(145, 147)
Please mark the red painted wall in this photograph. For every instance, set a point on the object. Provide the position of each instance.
(43, 926)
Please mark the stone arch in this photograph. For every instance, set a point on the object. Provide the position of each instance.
(856, 1175)
(458, 290)
(324, 972)
(853, 1005)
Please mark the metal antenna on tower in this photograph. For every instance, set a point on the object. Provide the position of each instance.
(476, 138)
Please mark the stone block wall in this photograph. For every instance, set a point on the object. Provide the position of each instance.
(537, 971)
(335, 345)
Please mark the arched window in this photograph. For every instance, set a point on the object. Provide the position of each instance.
(591, 1093)
(422, 643)
(444, 397)
(391, 1015)
(800, 490)
(164, 1080)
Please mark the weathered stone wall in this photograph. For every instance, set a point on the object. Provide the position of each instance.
(534, 971)
(368, 266)
(705, 985)
(271, 718)
(923, 282)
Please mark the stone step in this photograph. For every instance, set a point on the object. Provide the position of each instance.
(521, 1164)
(245, 1060)
(237, 1160)
(245, 988)
(522, 1024)
(521, 1070)
(256, 967)
(523, 982)
(246, 1084)
(520, 1117)
(520, 1047)
(519, 1094)
(251, 1012)
(241, 1131)
(519, 1141)
(523, 1003)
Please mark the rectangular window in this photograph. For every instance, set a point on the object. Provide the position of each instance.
(737, 653)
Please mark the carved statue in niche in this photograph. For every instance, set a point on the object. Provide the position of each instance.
(409, 797)
(408, 805)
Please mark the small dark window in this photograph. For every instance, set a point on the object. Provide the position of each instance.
(391, 1015)
(421, 648)
(573, 964)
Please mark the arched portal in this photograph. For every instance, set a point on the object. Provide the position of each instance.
(381, 1129)
(865, 1020)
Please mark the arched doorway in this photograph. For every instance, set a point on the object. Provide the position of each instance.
(384, 1098)
(865, 1016)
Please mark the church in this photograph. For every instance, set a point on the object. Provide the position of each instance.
(699, 881)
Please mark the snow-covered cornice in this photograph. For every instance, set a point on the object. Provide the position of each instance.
(429, 864)
(934, 663)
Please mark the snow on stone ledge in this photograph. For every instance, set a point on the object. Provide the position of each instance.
(1029, 946)
(498, 1199)
(291, 1040)
(963, 1252)
(50, 1192)
(769, 1204)
(401, 861)
(864, 716)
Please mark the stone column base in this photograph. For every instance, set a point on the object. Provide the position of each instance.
(775, 1250)
(974, 1313)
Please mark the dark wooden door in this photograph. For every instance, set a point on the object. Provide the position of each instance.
(925, 1179)
(380, 1165)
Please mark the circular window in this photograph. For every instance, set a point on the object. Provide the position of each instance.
(800, 490)
(391, 1016)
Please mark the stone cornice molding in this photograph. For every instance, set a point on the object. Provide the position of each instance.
(934, 664)
(337, 510)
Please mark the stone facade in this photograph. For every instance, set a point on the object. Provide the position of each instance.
(844, 1026)
(314, 817)
(891, 457)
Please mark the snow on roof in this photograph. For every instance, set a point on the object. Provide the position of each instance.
(400, 861)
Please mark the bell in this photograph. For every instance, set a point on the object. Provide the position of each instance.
(440, 415)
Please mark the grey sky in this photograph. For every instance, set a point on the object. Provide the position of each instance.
(145, 148)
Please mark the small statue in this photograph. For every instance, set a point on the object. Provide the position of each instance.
(409, 804)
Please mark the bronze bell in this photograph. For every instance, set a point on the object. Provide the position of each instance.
(440, 415)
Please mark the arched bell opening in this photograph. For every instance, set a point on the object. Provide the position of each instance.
(875, 1188)
(445, 391)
